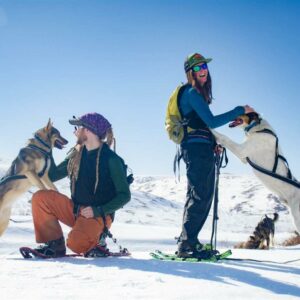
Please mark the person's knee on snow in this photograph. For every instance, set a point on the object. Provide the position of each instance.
(80, 242)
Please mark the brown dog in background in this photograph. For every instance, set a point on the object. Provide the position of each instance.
(263, 235)
(30, 168)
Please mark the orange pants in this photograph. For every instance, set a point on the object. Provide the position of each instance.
(49, 207)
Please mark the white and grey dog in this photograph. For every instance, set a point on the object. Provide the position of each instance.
(262, 151)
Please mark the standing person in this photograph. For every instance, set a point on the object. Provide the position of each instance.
(198, 151)
(98, 188)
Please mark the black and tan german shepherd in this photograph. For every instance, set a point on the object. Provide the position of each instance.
(30, 168)
(263, 235)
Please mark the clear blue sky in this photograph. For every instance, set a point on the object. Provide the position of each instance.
(124, 58)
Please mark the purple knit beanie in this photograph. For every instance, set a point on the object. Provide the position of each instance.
(94, 122)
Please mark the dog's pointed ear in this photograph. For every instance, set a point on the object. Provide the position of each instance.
(49, 125)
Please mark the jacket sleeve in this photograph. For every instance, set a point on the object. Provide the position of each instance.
(119, 179)
(198, 104)
(58, 172)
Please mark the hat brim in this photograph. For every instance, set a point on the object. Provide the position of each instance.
(200, 61)
(207, 60)
(76, 122)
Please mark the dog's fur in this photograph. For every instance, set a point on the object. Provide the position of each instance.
(260, 149)
(292, 241)
(263, 235)
(29, 162)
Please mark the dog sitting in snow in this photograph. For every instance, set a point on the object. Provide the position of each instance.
(261, 148)
(263, 235)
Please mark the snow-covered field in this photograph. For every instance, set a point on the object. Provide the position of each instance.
(150, 221)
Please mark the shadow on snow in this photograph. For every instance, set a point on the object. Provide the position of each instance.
(219, 272)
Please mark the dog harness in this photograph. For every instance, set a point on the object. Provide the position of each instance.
(46, 154)
(289, 179)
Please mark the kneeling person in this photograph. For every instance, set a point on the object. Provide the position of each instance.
(99, 187)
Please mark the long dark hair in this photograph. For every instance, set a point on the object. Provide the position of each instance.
(205, 90)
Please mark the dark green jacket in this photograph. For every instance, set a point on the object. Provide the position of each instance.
(112, 190)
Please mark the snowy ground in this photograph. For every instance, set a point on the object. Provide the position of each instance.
(151, 221)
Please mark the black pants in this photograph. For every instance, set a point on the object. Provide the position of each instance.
(200, 166)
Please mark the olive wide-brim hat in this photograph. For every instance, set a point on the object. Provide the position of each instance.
(195, 59)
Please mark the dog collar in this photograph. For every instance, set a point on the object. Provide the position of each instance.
(41, 141)
(253, 124)
(40, 149)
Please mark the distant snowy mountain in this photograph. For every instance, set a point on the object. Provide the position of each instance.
(158, 200)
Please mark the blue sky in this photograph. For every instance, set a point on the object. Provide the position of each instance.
(124, 58)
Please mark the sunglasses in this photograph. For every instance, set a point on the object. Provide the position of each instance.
(199, 68)
(77, 127)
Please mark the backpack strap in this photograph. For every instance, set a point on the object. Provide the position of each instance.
(197, 127)
(176, 163)
(184, 121)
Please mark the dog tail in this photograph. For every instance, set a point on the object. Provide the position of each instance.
(276, 216)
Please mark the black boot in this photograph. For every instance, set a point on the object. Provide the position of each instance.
(55, 248)
(102, 241)
(197, 250)
(187, 249)
(97, 251)
(100, 250)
